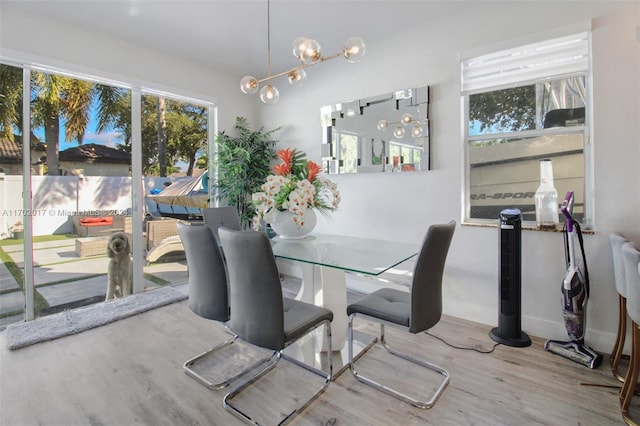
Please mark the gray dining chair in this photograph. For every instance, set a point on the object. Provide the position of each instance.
(215, 217)
(617, 241)
(209, 298)
(416, 310)
(261, 316)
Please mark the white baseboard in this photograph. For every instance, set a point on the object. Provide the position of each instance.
(533, 326)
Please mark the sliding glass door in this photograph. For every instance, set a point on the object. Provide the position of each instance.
(99, 152)
(175, 145)
(12, 219)
(83, 186)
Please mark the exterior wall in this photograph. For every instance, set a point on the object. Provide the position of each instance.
(95, 169)
(58, 198)
(16, 169)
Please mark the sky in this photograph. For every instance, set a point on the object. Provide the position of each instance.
(109, 138)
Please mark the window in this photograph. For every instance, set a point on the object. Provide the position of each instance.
(404, 156)
(90, 140)
(347, 147)
(523, 105)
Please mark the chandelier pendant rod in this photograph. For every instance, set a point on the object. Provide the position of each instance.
(299, 67)
(268, 41)
(308, 52)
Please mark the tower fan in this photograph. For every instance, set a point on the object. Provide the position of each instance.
(508, 331)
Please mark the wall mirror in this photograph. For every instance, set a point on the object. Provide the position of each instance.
(386, 133)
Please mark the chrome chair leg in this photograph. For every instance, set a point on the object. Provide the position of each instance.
(274, 359)
(384, 388)
(189, 369)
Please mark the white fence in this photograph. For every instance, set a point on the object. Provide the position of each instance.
(57, 198)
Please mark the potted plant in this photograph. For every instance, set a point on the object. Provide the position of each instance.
(289, 197)
(17, 230)
(242, 164)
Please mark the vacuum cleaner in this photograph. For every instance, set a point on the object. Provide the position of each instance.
(575, 294)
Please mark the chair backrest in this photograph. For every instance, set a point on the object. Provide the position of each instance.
(208, 289)
(631, 257)
(617, 241)
(257, 314)
(426, 289)
(215, 217)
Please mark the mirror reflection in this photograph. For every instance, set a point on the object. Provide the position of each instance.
(386, 133)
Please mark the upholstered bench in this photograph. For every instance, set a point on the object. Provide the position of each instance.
(92, 226)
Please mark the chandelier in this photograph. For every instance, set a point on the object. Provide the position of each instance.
(308, 52)
(405, 120)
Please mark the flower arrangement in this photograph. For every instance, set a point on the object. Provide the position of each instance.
(296, 186)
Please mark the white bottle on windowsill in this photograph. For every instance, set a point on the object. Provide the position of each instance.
(546, 198)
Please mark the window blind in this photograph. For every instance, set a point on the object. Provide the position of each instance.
(558, 57)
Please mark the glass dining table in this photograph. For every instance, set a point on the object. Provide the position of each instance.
(324, 259)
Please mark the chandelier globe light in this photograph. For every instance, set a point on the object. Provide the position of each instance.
(249, 85)
(399, 131)
(308, 52)
(297, 77)
(354, 49)
(406, 118)
(269, 94)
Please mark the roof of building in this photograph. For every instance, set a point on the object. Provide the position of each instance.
(94, 153)
(11, 151)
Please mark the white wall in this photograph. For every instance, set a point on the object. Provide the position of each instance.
(58, 198)
(402, 205)
(49, 43)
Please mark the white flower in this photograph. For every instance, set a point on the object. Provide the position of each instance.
(294, 192)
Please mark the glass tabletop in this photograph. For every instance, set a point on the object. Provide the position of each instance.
(362, 255)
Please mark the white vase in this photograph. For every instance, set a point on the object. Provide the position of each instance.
(287, 229)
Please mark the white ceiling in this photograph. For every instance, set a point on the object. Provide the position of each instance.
(231, 35)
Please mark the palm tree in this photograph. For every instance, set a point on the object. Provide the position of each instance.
(60, 98)
(10, 100)
(55, 100)
(162, 138)
(187, 131)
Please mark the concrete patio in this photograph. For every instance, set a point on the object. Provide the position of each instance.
(66, 280)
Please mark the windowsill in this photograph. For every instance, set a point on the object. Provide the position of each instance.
(525, 227)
